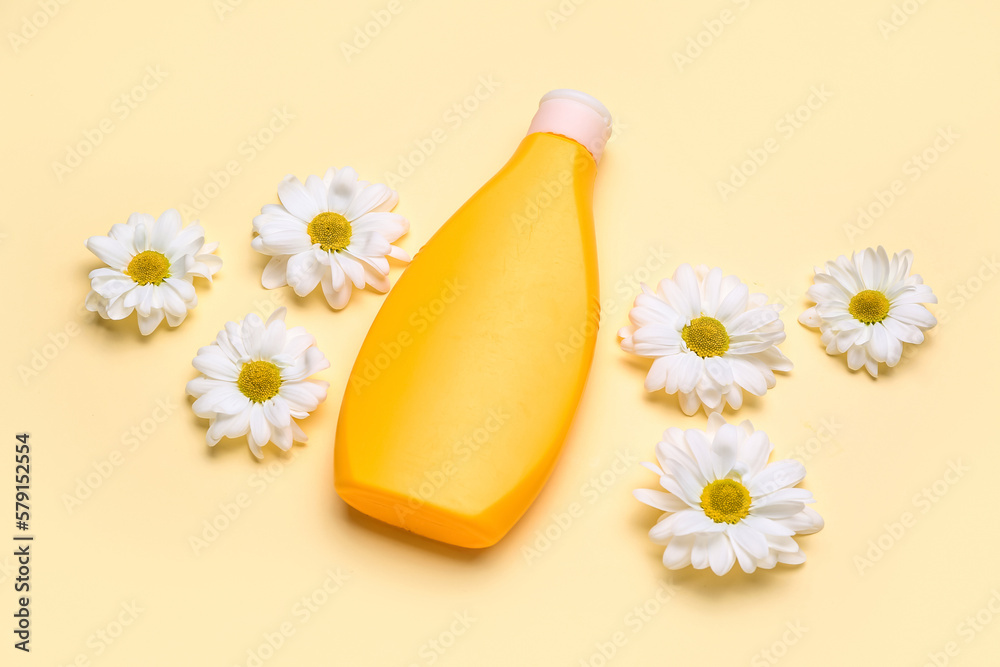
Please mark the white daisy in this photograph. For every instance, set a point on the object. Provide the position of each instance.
(256, 382)
(724, 503)
(710, 338)
(868, 306)
(336, 231)
(151, 269)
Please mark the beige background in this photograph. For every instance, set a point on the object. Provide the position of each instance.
(871, 447)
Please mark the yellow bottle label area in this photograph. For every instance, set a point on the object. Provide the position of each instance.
(463, 391)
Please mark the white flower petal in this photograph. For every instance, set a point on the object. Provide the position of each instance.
(752, 541)
(687, 283)
(720, 554)
(109, 251)
(252, 334)
(317, 192)
(747, 562)
(689, 402)
(667, 502)
(689, 370)
(806, 522)
(285, 242)
(276, 412)
(342, 185)
(260, 430)
(297, 200)
(303, 272)
(282, 437)
(656, 378)
(299, 396)
(723, 448)
(337, 297)
(779, 510)
(777, 475)
(165, 229)
(678, 552)
(912, 313)
(748, 376)
(388, 225)
(768, 526)
(368, 199)
(734, 304)
(216, 367)
(699, 551)
(686, 522)
(879, 346)
(273, 340)
(274, 272)
(754, 451)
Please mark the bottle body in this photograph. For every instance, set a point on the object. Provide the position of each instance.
(466, 385)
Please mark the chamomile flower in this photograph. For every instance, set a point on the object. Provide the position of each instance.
(724, 503)
(335, 231)
(255, 382)
(868, 306)
(151, 267)
(710, 339)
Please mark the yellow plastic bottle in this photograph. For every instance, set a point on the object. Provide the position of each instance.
(463, 391)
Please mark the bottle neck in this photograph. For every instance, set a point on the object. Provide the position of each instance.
(576, 116)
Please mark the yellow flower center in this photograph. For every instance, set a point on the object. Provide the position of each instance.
(330, 230)
(725, 501)
(259, 380)
(869, 306)
(148, 267)
(706, 337)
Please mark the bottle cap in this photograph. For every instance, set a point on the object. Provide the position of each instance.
(575, 115)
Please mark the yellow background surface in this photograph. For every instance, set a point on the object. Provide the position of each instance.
(157, 102)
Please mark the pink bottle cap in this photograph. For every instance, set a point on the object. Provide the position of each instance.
(575, 115)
